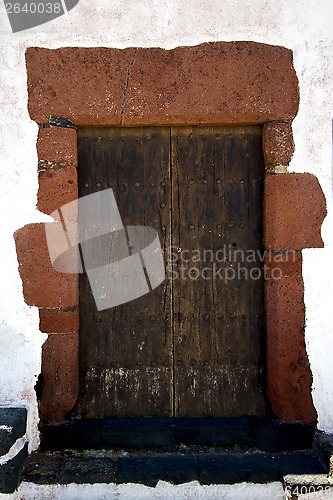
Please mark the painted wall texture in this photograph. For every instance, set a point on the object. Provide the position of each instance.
(303, 26)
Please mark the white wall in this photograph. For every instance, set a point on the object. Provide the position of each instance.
(304, 26)
(163, 491)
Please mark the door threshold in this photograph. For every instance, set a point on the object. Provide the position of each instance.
(170, 434)
(299, 471)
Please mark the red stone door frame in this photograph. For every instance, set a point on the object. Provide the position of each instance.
(221, 83)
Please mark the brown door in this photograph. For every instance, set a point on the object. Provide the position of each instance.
(194, 346)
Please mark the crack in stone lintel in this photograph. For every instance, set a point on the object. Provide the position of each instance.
(126, 86)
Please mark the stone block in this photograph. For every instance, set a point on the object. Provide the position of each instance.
(42, 285)
(294, 210)
(11, 472)
(278, 143)
(57, 145)
(303, 474)
(149, 470)
(42, 468)
(231, 469)
(88, 470)
(323, 447)
(289, 377)
(59, 320)
(85, 85)
(283, 264)
(218, 83)
(274, 436)
(152, 433)
(221, 432)
(77, 434)
(57, 187)
(13, 423)
(60, 376)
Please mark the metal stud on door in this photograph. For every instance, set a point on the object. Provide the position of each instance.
(194, 346)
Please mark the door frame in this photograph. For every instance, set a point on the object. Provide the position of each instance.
(241, 83)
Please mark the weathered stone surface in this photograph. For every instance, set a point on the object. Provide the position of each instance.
(57, 186)
(10, 472)
(299, 463)
(275, 436)
(211, 83)
(77, 435)
(85, 85)
(169, 434)
(152, 433)
(144, 467)
(231, 469)
(60, 376)
(88, 470)
(47, 468)
(278, 143)
(288, 373)
(303, 474)
(175, 469)
(42, 285)
(213, 432)
(57, 145)
(59, 320)
(323, 447)
(283, 264)
(234, 82)
(42, 468)
(13, 423)
(289, 377)
(294, 210)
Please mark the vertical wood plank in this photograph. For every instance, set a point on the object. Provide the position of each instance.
(215, 375)
(125, 353)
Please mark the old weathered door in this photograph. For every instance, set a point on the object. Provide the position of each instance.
(193, 347)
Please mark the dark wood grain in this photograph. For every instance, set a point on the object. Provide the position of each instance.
(193, 347)
(216, 328)
(125, 352)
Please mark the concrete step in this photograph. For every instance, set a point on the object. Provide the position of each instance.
(298, 471)
(323, 447)
(12, 427)
(12, 458)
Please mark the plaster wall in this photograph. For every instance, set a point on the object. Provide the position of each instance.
(190, 491)
(302, 26)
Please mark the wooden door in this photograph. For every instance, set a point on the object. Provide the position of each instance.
(193, 347)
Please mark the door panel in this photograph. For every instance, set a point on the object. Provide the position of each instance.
(126, 352)
(191, 347)
(218, 333)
